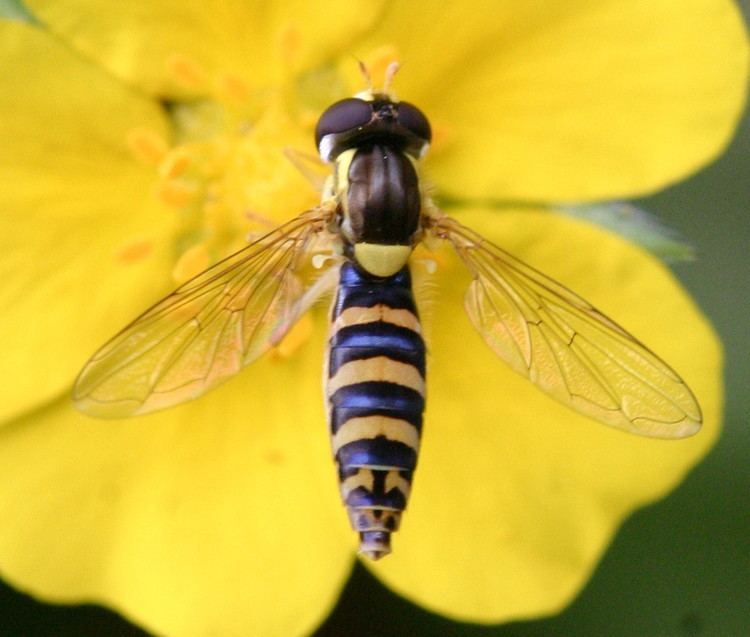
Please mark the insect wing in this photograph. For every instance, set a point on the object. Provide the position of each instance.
(568, 348)
(205, 331)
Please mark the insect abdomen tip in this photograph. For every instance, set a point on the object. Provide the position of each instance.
(375, 544)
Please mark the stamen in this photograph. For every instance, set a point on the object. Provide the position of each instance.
(274, 456)
(176, 193)
(231, 87)
(147, 145)
(134, 250)
(310, 166)
(186, 71)
(192, 262)
(175, 163)
(266, 223)
(291, 44)
(226, 161)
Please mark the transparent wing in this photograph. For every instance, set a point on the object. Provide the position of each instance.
(206, 330)
(567, 347)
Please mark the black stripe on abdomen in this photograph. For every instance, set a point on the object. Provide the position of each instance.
(341, 415)
(358, 289)
(377, 452)
(375, 395)
(385, 396)
(378, 335)
(342, 355)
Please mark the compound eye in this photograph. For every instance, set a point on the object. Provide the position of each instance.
(344, 115)
(410, 117)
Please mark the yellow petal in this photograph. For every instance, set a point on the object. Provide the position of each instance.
(253, 41)
(569, 100)
(515, 496)
(78, 245)
(220, 517)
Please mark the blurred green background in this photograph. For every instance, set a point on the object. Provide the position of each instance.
(680, 568)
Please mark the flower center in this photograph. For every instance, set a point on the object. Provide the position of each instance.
(224, 173)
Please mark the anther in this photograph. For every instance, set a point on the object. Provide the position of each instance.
(291, 43)
(232, 88)
(134, 250)
(175, 163)
(175, 193)
(147, 145)
(188, 72)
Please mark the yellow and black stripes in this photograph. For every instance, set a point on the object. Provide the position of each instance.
(375, 391)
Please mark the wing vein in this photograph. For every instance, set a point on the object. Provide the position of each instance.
(565, 346)
(207, 329)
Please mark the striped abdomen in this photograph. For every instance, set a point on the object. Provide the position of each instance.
(375, 391)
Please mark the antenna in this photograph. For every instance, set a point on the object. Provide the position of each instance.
(365, 74)
(390, 72)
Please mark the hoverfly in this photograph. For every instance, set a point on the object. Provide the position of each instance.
(373, 213)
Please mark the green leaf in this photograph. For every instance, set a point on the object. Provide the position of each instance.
(635, 224)
(15, 10)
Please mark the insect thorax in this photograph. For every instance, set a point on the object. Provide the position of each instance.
(374, 143)
(380, 202)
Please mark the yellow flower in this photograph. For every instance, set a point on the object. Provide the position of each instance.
(142, 140)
